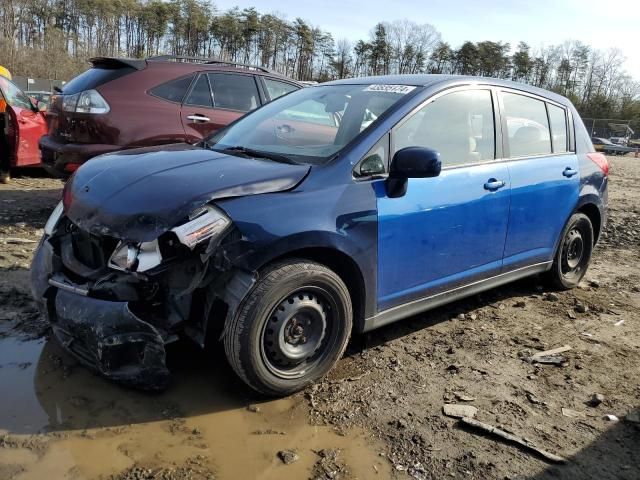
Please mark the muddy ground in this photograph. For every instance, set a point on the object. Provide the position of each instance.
(377, 415)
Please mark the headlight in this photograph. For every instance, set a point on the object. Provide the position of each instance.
(54, 218)
(136, 257)
(205, 223)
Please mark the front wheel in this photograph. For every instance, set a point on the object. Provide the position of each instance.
(291, 328)
(574, 253)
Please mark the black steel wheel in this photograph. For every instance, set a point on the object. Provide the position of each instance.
(573, 254)
(291, 328)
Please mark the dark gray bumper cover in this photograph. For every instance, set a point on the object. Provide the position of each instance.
(103, 335)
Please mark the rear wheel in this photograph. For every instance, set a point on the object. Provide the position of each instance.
(291, 328)
(574, 253)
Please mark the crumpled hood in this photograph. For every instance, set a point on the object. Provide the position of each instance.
(139, 194)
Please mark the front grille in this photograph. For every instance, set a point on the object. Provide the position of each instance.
(85, 254)
(89, 249)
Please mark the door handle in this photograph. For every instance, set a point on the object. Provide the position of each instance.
(198, 118)
(492, 184)
(569, 172)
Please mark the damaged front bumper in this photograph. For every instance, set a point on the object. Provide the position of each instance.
(103, 335)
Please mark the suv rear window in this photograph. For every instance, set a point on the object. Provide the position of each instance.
(277, 89)
(174, 90)
(94, 77)
(235, 92)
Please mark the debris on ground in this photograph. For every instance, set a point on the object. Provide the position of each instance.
(329, 466)
(458, 411)
(472, 422)
(550, 357)
(568, 412)
(596, 399)
(611, 418)
(288, 456)
(633, 417)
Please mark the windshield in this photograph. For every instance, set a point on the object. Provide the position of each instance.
(13, 95)
(310, 125)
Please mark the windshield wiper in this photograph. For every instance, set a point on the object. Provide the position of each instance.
(260, 154)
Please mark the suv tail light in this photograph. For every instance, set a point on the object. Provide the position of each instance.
(600, 160)
(89, 101)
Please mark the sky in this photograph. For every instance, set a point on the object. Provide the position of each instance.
(598, 23)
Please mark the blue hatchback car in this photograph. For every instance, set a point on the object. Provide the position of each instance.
(333, 210)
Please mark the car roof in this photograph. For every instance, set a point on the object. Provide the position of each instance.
(427, 80)
(187, 64)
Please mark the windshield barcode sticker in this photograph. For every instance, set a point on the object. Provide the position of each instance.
(402, 89)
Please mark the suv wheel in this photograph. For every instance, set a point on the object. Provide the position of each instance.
(574, 253)
(291, 328)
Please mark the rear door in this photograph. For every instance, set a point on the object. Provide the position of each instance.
(215, 100)
(545, 180)
(447, 231)
(26, 125)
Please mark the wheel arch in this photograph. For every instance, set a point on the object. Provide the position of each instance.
(591, 209)
(344, 266)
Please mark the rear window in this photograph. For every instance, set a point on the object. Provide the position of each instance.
(277, 89)
(174, 90)
(94, 77)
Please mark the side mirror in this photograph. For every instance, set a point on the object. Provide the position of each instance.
(415, 162)
(411, 162)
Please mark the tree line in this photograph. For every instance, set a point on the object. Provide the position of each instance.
(53, 39)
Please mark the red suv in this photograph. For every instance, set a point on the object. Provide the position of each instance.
(123, 103)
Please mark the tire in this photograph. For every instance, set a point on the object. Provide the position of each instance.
(291, 328)
(574, 253)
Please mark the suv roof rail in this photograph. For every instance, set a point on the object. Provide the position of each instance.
(205, 60)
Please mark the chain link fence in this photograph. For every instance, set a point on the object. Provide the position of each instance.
(608, 128)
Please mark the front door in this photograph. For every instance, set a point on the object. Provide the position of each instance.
(25, 125)
(545, 181)
(450, 230)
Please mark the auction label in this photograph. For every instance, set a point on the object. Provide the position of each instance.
(402, 89)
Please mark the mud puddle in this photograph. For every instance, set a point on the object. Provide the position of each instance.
(58, 420)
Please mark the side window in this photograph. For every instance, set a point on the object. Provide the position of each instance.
(174, 90)
(558, 120)
(277, 89)
(235, 92)
(527, 125)
(459, 125)
(200, 95)
(375, 161)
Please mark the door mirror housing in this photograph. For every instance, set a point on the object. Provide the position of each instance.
(415, 162)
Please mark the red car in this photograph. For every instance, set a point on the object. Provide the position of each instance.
(122, 103)
(21, 126)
